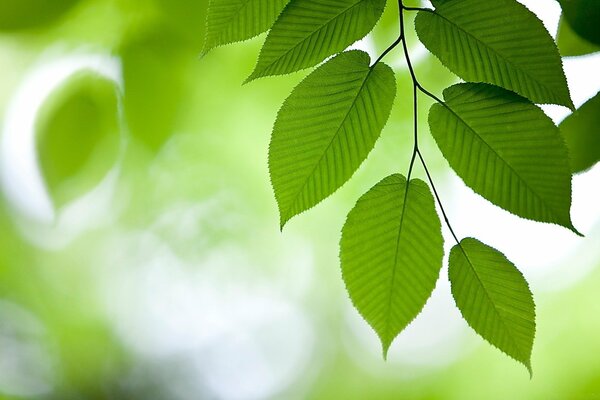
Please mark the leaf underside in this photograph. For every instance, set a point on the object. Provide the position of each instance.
(309, 31)
(231, 21)
(391, 253)
(499, 42)
(326, 128)
(581, 130)
(506, 149)
(493, 297)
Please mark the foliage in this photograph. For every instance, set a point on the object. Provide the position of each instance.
(489, 129)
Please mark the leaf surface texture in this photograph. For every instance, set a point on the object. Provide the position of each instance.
(391, 253)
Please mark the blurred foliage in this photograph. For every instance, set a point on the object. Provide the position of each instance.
(188, 146)
(570, 44)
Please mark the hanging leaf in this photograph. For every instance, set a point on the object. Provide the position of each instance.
(309, 31)
(326, 128)
(231, 21)
(391, 254)
(499, 42)
(583, 17)
(506, 149)
(78, 136)
(581, 130)
(493, 297)
(570, 44)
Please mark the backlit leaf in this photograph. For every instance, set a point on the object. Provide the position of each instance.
(499, 42)
(581, 130)
(493, 297)
(326, 128)
(231, 21)
(391, 254)
(309, 31)
(506, 149)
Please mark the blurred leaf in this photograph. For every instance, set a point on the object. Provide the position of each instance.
(583, 17)
(493, 297)
(571, 44)
(581, 130)
(326, 128)
(78, 136)
(391, 254)
(236, 20)
(27, 14)
(309, 31)
(185, 17)
(154, 75)
(506, 149)
(499, 42)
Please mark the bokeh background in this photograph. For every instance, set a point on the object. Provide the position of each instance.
(140, 255)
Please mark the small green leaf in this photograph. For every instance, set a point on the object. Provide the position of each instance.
(499, 42)
(570, 44)
(582, 133)
(78, 136)
(326, 128)
(231, 21)
(583, 17)
(391, 254)
(506, 149)
(309, 31)
(29, 14)
(493, 297)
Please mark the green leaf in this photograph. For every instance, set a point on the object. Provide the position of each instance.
(326, 128)
(570, 44)
(506, 149)
(582, 133)
(391, 254)
(499, 42)
(493, 297)
(309, 31)
(231, 21)
(29, 14)
(583, 17)
(154, 63)
(78, 136)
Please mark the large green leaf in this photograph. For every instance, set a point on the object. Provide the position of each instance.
(493, 297)
(231, 21)
(391, 254)
(308, 31)
(78, 136)
(499, 42)
(506, 149)
(570, 43)
(581, 130)
(583, 17)
(326, 128)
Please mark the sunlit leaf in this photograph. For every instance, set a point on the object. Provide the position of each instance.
(231, 21)
(26, 14)
(326, 128)
(308, 31)
(506, 149)
(583, 17)
(493, 297)
(499, 42)
(391, 254)
(581, 130)
(78, 136)
(570, 44)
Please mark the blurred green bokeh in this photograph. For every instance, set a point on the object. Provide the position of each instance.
(158, 270)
